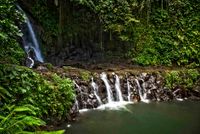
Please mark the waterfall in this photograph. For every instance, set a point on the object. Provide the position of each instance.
(117, 88)
(108, 88)
(29, 39)
(129, 90)
(81, 94)
(78, 87)
(145, 91)
(143, 99)
(95, 87)
(76, 104)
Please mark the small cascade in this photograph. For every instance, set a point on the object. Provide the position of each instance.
(142, 97)
(30, 62)
(76, 104)
(77, 86)
(144, 89)
(81, 94)
(135, 87)
(30, 41)
(129, 90)
(95, 87)
(108, 88)
(118, 88)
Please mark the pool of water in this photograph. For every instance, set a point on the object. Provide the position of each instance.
(141, 118)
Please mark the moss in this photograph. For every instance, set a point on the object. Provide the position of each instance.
(67, 68)
(85, 75)
(49, 66)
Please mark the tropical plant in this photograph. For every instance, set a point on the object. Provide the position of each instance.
(15, 119)
(21, 120)
(52, 95)
(10, 52)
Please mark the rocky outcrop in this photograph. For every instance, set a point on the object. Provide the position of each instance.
(135, 85)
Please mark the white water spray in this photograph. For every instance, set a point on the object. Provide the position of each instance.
(129, 90)
(108, 88)
(32, 62)
(34, 42)
(95, 87)
(143, 99)
(118, 88)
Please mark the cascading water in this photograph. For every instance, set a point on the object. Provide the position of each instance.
(76, 104)
(30, 41)
(31, 62)
(81, 94)
(108, 88)
(140, 92)
(129, 90)
(145, 91)
(95, 87)
(118, 88)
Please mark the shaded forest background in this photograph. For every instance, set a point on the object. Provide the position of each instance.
(149, 32)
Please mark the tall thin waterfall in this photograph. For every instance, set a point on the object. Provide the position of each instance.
(118, 88)
(143, 99)
(29, 39)
(108, 88)
(34, 44)
(129, 90)
(95, 87)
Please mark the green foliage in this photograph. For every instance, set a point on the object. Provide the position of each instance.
(185, 78)
(116, 16)
(48, 18)
(21, 119)
(85, 75)
(49, 66)
(160, 33)
(172, 37)
(52, 95)
(18, 118)
(10, 52)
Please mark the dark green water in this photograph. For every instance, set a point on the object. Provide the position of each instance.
(153, 118)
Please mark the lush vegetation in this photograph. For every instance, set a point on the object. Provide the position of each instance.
(172, 38)
(51, 95)
(27, 97)
(152, 32)
(10, 52)
(185, 79)
(149, 32)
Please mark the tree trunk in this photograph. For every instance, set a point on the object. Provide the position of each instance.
(148, 10)
(162, 4)
(64, 11)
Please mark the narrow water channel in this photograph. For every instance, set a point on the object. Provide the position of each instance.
(141, 118)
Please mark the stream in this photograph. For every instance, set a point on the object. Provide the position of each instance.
(141, 118)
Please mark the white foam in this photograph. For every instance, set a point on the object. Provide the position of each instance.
(179, 99)
(114, 105)
(83, 110)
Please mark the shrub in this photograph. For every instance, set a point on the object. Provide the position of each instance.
(21, 119)
(184, 78)
(53, 95)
